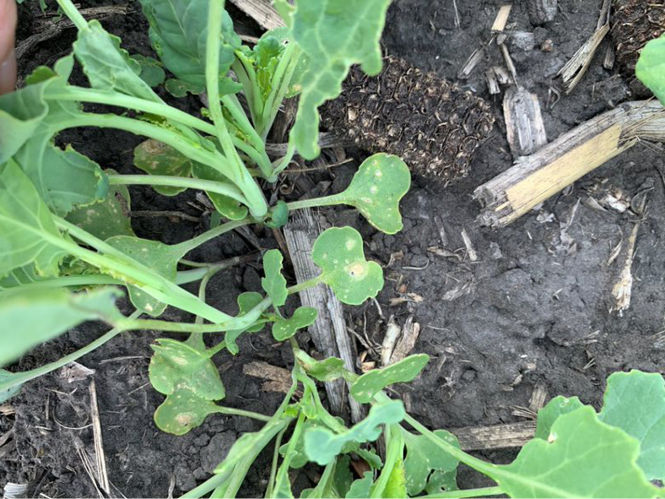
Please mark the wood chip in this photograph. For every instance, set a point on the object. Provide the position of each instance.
(100, 459)
(261, 11)
(501, 18)
(407, 340)
(496, 436)
(393, 331)
(623, 288)
(524, 122)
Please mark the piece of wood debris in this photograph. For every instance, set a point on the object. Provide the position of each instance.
(524, 122)
(100, 459)
(509, 60)
(407, 340)
(502, 75)
(492, 82)
(496, 436)
(7, 410)
(574, 70)
(542, 11)
(329, 330)
(393, 331)
(502, 18)
(538, 397)
(610, 58)
(470, 64)
(470, 250)
(623, 288)
(535, 178)
(277, 379)
(13, 490)
(261, 11)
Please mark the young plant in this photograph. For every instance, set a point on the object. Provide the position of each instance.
(650, 68)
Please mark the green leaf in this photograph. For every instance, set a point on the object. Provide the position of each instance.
(107, 218)
(107, 66)
(396, 484)
(274, 283)
(361, 487)
(338, 252)
(246, 302)
(328, 369)
(333, 35)
(228, 207)
(157, 158)
(160, 257)
(376, 190)
(650, 68)
(283, 329)
(278, 216)
(6, 376)
(423, 457)
(371, 383)
(25, 225)
(554, 408)
(442, 480)
(582, 457)
(635, 402)
(322, 445)
(29, 317)
(151, 70)
(181, 411)
(176, 365)
(178, 30)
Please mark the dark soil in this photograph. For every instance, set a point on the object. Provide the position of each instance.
(533, 309)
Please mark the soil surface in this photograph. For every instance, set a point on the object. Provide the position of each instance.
(532, 308)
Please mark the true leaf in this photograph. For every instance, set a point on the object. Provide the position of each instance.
(339, 253)
(274, 283)
(582, 457)
(333, 35)
(25, 225)
(283, 329)
(176, 365)
(322, 445)
(376, 190)
(554, 408)
(372, 382)
(178, 30)
(361, 487)
(29, 317)
(151, 70)
(107, 66)
(157, 158)
(246, 301)
(328, 369)
(635, 402)
(423, 457)
(229, 207)
(181, 411)
(160, 257)
(107, 218)
(650, 68)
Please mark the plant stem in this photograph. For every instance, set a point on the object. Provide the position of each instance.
(73, 14)
(310, 283)
(190, 183)
(25, 376)
(480, 492)
(187, 246)
(273, 465)
(312, 203)
(239, 412)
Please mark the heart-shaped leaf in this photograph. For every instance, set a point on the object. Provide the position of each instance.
(176, 365)
(322, 445)
(160, 257)
(635, 402)
(181, 411)
(423, 457)
(283, 329)
(274, 283)
(158, 158)
(554, 408)
(376, 190)
(371, 383)
(339, 254)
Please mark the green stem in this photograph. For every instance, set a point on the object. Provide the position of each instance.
(312, 203)
(189, 183)
(187, 246)
(283, 471)
(233, 106)
(280, 85)
(239, 412)
(23, 377)
(394, 451)
(284, 162)
(273, 465)
(310, 283)
(247, 77)
(73, 14)
(480, 492)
